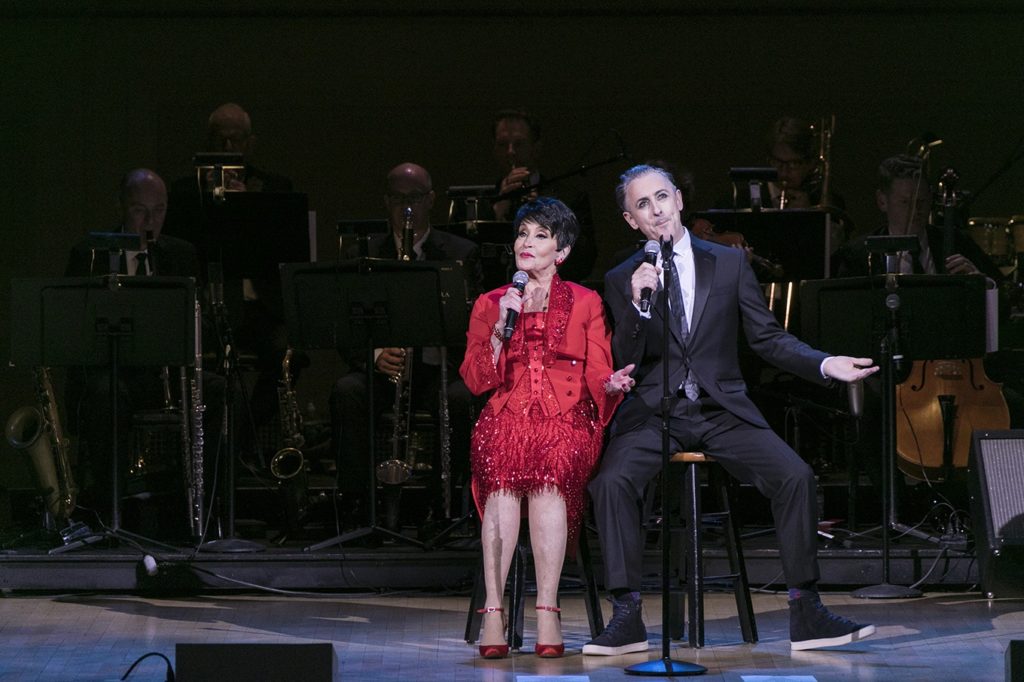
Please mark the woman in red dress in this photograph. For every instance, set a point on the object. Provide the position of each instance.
(540, 434)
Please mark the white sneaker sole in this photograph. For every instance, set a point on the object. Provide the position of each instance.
(856, 635)
(598, 650)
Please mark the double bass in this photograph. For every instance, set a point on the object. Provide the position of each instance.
(942, 402)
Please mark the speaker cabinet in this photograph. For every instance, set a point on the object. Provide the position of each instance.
(1015, 661)
(996, 480)
(254, 662)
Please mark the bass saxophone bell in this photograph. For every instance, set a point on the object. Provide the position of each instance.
(37, 431)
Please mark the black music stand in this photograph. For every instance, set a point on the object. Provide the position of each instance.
(372, 303)
(111, 321)
(799, 240)
(901, 318)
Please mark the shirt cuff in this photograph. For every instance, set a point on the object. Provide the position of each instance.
(822, 367)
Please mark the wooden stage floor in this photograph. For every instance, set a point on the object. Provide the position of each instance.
(417, 636)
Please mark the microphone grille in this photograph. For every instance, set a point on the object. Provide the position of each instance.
(520, 278)
(652, 246)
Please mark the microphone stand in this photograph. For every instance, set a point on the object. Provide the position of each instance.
(889, 356)
(665, 666)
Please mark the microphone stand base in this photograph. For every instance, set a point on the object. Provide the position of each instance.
(886, 591)
(665, 667)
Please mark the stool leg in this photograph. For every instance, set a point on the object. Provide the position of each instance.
(695, 576)
(591, 597)
(737, 566)
(517, 579)
(474, 620)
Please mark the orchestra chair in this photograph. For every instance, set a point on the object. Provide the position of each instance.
(517, 590)
(687, 465)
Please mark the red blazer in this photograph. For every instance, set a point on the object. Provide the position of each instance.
(578, 350)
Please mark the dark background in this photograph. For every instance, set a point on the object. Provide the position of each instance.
(339, 92)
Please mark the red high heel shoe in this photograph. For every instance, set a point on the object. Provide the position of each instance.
(494, 650)
(549, 650)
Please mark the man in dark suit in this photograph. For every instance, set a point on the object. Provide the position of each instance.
(143, 200)
(716, 291)
(408, 187)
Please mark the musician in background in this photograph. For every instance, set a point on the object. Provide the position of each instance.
(793, 147)
(905, 198)
(516, 149)
(408, 186)
(143, 202)
(229, 130)
(255, 306)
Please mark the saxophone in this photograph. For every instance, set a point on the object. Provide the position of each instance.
(397, 469)
(39, 432)
(289, 461)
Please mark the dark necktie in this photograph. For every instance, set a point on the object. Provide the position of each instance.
(675, 301)
(140, 267)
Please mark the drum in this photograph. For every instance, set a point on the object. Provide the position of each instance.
(993, 236)
(1017, 233)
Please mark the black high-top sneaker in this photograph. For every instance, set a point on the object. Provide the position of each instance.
(812, 626)
(625, 634)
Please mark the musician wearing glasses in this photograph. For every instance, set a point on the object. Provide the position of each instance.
(541, 350)
(408, 199)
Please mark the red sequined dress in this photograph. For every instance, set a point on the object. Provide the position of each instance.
(530, 440)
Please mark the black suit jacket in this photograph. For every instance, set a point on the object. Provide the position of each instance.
(727, 295)
(169, 256)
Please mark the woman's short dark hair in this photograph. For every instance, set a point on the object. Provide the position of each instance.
(554, 215)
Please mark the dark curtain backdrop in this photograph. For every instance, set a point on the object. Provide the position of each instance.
(341, 92)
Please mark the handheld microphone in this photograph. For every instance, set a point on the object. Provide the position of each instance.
(519, 281)
(651, 249)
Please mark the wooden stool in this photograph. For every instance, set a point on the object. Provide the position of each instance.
(693, 553)
(517, 589)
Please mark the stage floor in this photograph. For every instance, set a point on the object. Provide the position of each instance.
(417, 636)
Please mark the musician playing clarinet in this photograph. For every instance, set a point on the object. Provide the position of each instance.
(408, 199)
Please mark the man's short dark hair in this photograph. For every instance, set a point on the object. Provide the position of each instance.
(899, 167)
(552, 214)
(795, 133)
(531, 121)
(634, 173)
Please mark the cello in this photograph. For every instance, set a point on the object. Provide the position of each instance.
(942, 402)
